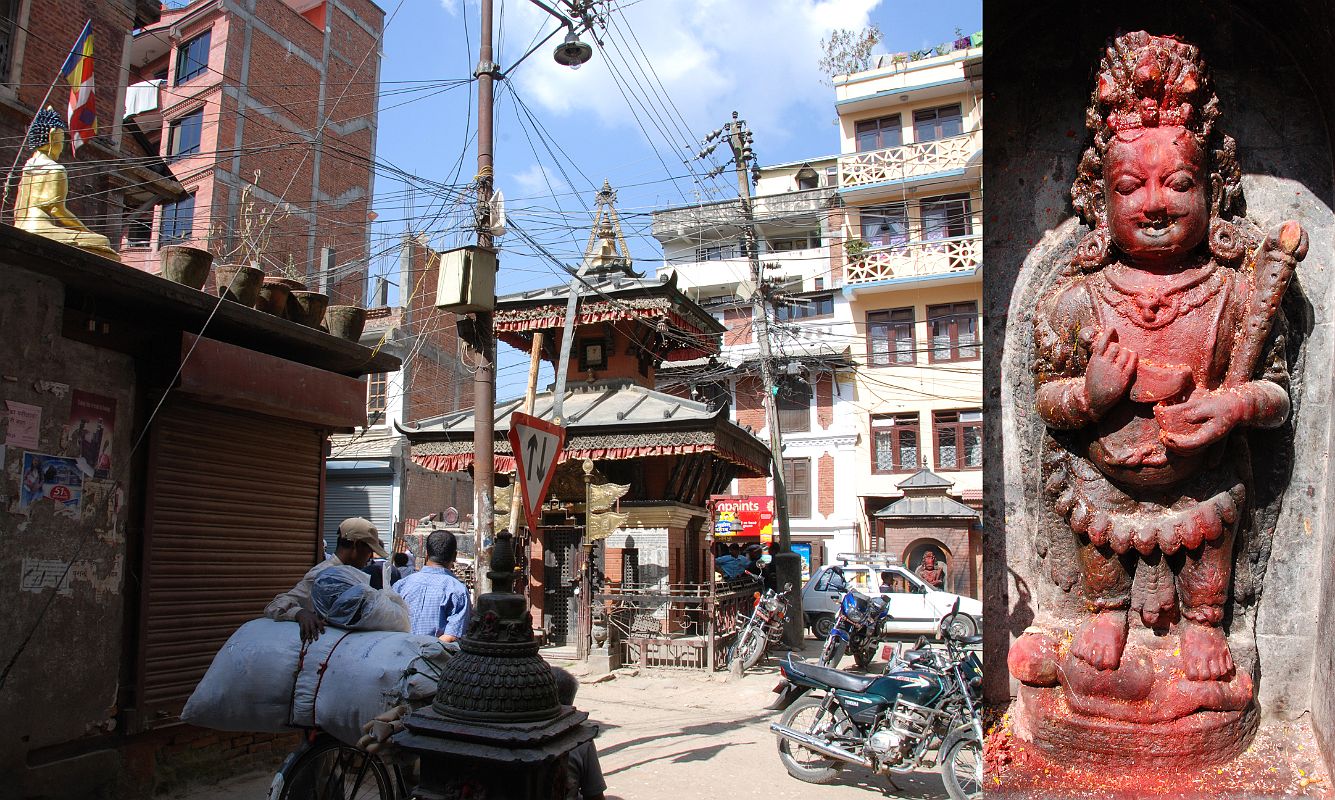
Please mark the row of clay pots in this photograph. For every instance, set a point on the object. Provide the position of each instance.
(248, 286)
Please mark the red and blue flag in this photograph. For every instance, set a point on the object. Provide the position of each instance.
(78, 72)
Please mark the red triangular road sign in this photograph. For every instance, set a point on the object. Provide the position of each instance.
(537, 445)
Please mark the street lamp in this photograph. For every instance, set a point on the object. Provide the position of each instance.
(572, 52)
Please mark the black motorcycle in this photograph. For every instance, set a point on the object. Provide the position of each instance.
(857, 629)
(762, 628)
(923, 710)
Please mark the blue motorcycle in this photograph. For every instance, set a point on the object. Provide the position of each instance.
(856, 629)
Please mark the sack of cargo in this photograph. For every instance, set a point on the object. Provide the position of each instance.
(261, 680)
(344, 597)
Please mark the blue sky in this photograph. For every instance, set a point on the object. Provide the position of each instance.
(667, 73)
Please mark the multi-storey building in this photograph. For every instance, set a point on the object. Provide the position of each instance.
(113, 172)
(875, 258)
(277, 93)
(369, 472)
(910, 266)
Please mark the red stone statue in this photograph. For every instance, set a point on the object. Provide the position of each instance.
(930, 571)
(1158, 345)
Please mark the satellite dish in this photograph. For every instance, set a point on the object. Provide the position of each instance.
(498, 213)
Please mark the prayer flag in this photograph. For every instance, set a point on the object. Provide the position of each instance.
(78, 72)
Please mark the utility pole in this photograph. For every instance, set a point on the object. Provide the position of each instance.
(484, 379)
(787, 564)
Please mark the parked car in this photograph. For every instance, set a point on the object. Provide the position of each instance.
(915, 607)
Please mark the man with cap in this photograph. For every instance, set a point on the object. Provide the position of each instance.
(358, 540)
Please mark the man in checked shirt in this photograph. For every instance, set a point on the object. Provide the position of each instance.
(437, 601)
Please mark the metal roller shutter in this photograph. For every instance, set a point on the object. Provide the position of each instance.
(232, 519)
(367, 494)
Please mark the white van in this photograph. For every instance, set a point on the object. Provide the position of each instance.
(915, 607)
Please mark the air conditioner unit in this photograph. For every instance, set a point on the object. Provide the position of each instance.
(467, 280)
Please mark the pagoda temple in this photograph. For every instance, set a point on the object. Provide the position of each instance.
(672, 452)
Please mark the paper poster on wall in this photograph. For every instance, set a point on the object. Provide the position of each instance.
(53, 478)
(24, 423)
(88, 433)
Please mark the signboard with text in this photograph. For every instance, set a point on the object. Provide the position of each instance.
(745, 516)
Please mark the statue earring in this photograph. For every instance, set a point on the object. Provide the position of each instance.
(1092, 250)
(1226, 242)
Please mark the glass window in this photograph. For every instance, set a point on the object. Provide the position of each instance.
(821, 305)
(890, 337)
(377, 391)
(876, 134)
(894, 443)
(192, 58)
(937, 123)
(885, 225)
(713, 253)
(178, 220)
(139, 231)
(794, 406)
(184, 134)
(797, 481)
(9, 23)
(953, 328)
(946, 217)
(959, 439)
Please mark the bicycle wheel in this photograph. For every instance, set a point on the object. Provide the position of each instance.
(331, 770)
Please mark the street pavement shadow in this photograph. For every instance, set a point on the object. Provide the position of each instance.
(707, 729)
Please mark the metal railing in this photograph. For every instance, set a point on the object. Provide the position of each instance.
(680, 626)
(916, 259)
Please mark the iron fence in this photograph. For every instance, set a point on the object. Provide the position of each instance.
(678, 626)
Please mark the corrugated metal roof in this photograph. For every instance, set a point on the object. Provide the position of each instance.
(925, 479)
(936, 507)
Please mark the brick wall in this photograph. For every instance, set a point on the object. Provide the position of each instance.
(738, 321)
(750, 403)
(825, 484)
(170, 759)
(824, 386)
(899, 536)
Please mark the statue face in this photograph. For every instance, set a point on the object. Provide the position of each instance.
(1157, 195)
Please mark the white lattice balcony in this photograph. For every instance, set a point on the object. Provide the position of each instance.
(909, 161)
(917, 259)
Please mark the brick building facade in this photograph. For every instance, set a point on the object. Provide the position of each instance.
(285, 90)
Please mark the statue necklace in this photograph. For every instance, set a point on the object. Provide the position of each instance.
(1155, 306)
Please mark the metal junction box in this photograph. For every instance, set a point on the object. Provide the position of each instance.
(467, 280)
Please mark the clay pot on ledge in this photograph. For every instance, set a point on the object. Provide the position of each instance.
(345, 322)
(274, 297)
(292, 284)
(186, 265)
(307, 308)
(239, 283)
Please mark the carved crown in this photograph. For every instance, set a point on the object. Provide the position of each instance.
(1147, 81)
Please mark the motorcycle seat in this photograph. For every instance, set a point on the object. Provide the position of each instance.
(831, 677)
(969, 640)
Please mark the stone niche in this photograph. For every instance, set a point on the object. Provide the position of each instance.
(1276, 84)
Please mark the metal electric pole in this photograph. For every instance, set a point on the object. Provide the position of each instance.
(787, 564)
(484, 379)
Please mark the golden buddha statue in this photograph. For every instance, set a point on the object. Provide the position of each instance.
(40, 204)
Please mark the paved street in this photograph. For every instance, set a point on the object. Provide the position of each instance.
(673, 735)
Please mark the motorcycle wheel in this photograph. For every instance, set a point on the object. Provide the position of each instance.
(800, 762)
(962, 768)
(832, 653)
(751, 648)
(864, 655)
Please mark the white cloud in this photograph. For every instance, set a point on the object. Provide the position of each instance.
(451, 6)
(535, 182)
(758, 57)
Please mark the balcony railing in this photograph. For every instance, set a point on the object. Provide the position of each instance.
(917, 259)
(766, 208)
(909, 161)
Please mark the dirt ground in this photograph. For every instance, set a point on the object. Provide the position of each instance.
(673, 735)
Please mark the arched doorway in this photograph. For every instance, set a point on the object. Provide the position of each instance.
(916, 555)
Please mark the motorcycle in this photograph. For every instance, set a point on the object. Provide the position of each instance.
(927, 704)
(856, 629)
(762, 628)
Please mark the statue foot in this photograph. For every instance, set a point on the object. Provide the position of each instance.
(1101, 640)
(1205, 654)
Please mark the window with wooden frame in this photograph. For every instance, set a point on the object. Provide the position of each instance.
(946, 217)
(895, 443)
(794, 405)
(797, 482)
(9, 27)
(890, 337)
(192, 57)
(178, 220)
(953, 330)
(943, 122)
(377, 397)
(878, 134)
(183, 136)
(885, 226)
(959, 439)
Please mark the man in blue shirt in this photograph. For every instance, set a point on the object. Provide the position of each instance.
(731, 564)
(438, 602)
